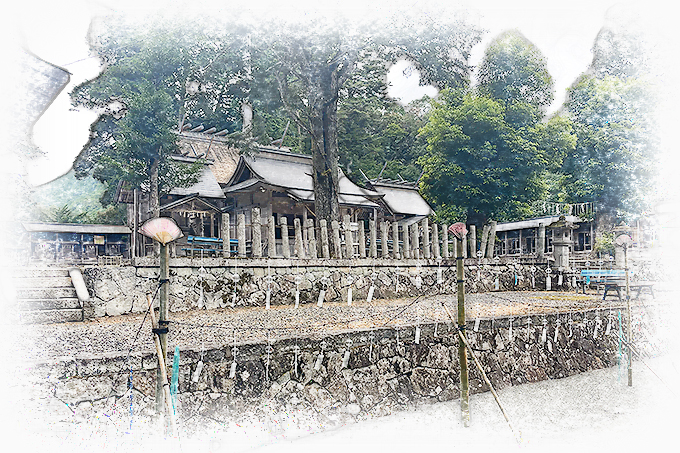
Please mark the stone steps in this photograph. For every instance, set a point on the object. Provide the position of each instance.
(46, 295)
(51, 316)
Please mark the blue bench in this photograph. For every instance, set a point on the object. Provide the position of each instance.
(204, 244)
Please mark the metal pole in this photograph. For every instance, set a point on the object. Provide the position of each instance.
(462, 351)
(630, 330)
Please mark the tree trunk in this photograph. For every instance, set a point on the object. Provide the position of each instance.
(324, 126)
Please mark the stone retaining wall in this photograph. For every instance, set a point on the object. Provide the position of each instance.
(212, 283)
(344, 376)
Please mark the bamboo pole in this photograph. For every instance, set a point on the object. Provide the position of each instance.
(462, 356)
(518, 435)
(630, 329)
(163, 370)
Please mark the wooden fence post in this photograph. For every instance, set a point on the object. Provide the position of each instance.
(257, 234)
(271, 238)
(285, 245)
(241, 234)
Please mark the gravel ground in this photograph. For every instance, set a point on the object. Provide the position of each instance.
(214, 328)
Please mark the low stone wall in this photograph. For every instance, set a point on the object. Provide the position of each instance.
(220, 283)
(344, 376)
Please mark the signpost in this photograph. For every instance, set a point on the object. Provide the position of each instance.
(459, 231)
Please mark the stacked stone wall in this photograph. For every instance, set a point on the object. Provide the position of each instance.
(212, 283)
(341, 377)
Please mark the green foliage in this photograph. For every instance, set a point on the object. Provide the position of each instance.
(613, 162)
(480, 161)
(514, 71)
(604, 243)
(64, 214)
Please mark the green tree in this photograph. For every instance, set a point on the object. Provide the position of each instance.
(484, 165)
(613, 162)
(315, 61)
(491, 151)
(154, 80)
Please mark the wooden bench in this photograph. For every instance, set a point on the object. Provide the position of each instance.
(204, 244)
(612, 280)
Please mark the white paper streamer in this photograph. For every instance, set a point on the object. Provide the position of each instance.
(369, 298)
(417, 339)
(197, 371)
(345, 359)
(476, 327)
(267, 300)
(349, 296)
(232, 371)
(322, 296)
(548, 283)
(319, 360)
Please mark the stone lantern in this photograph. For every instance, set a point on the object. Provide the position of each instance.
(562, 241)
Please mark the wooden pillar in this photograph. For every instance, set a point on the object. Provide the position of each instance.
(257, 233)
(540, 247)
(407, 242)
(485, 237)
(465, 246)
(396, 254)
(271, 237)
(285, 246)
(415, 242)
(362, 240)
(241, 234)
(325, 252)
(473, 241)
(299, 247)
(337, 250)
(435, 240)
(383, 240)
(445, 242)
(311, 235)
(374, 238)
(225, 233)
(426, 238)
(492, 239)
(349, 241)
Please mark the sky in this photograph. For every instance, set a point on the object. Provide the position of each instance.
(57, 32)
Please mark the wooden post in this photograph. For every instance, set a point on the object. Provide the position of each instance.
(540, 247)
(285, 246)
(299, 247)
(362, 240)
(407, 242)
(462, 351)
(384, 247)
(491, 243)
(337, 250)
(373, 248)
(485, 237)
(226, 235)
(435, 241)
(241, 234)
(396, 254)
(473, 241)
(349, 241)
(426, 238)
(445, 242)
(257, 234)
(271, 237)
(415, 244)
(311, 234)
(630, 329)
(325, 252)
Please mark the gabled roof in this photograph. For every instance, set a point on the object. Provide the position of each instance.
(188, 198)
(206, 186)
(534, 223)
(80, 228)
(214, 147)
(402, 199)
(292, 173)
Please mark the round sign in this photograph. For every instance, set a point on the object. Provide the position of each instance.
(548, 271)
(458, 230)
(624, 239)
(479, 254)
(611, 258)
